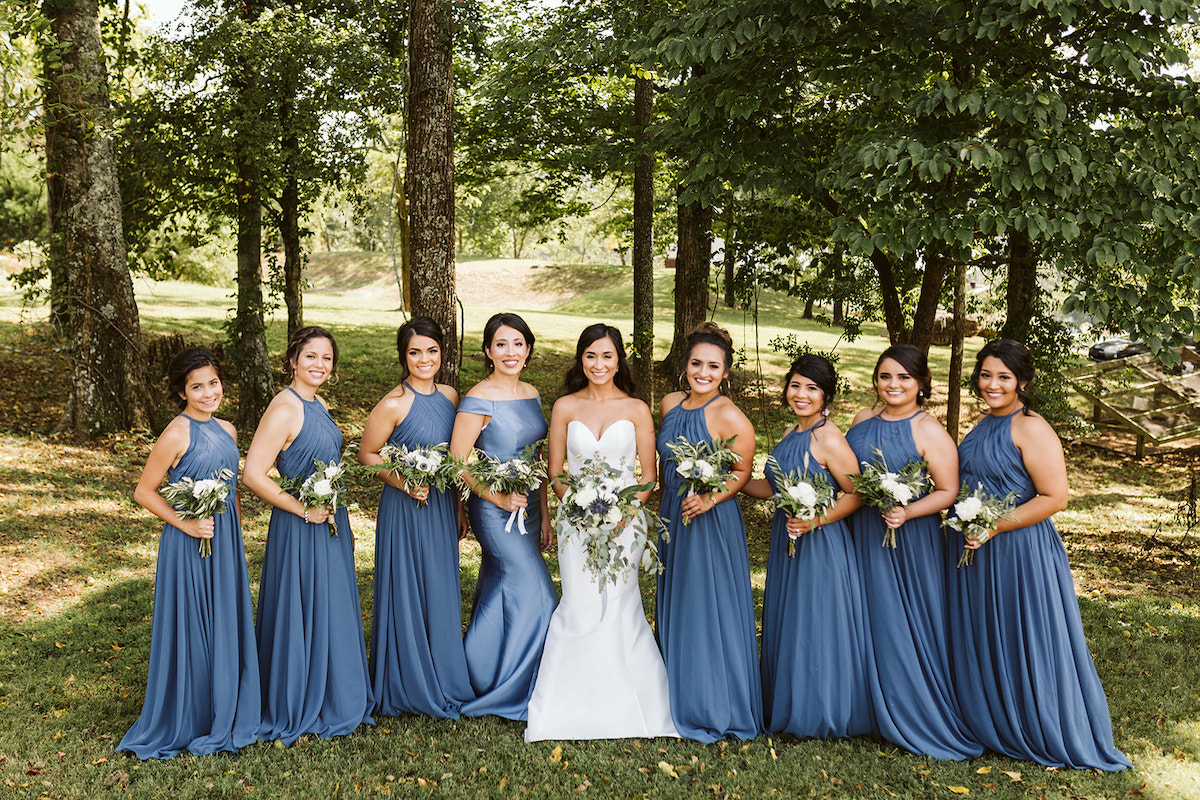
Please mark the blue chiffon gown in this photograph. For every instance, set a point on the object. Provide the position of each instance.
(311, 649)
(514, 596)
(418, 665)
(202, 690)
(814, 671)
(908, 662)
(705, 608)
(1026, 682)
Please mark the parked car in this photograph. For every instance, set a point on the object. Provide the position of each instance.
(1118, 347)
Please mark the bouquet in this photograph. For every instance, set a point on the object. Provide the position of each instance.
(878, 486)
(420, 466)
(800, 494)
(597, 508)
(518, 475)
(325, 486)
(975, 514)
(200, 499)
(703, 467)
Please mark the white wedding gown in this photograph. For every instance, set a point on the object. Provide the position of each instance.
(601, 676)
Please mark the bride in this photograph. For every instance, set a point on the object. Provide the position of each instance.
(601, 676)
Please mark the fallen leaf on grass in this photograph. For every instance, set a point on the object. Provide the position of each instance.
(983, 770)
(668, 769)
(583, 786)
(1015, 777)
(959, 789)
(556, 753)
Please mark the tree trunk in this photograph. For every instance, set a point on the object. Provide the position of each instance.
(643, 243)
(1022, 287)
(289, 222)
(56, 259)
(954, 381)
(430, 165)
(728, 256)
(936, 266)
(109, 389)
(692, 260)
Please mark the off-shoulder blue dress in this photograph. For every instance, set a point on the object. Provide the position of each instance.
(908, 662)
(1026, 682)
(418, 665)
(514, 596)
(311, 648)
(705, 606)
(814, 669)
(202, 690)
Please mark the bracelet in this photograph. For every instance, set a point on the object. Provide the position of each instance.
(306, 514)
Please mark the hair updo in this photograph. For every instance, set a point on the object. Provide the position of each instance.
(183, 364)
(1016, 357)
(417, 326)
(296, 344)
(818, 370)
(710, 333)
(914, 362)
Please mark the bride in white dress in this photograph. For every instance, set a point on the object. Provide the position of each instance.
(601, 675)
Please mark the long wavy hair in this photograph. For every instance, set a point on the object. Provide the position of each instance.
(576, 379)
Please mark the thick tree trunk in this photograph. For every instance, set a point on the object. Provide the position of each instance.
(430, 164)
(1022, 287)
(56, 258)
(954, 381)
(936, 267)
(643, 243)
(109, 390)
(693, 258)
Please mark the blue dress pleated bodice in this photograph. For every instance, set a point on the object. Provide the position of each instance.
(418, 665)
(1026, 682)
(514, 596)
(202, 690)
(705, 606)
(814, 670)
(311, 648)
(908, 663)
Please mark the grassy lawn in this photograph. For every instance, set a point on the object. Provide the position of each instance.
(77, 566)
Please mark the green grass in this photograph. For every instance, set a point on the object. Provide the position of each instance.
(77, 564)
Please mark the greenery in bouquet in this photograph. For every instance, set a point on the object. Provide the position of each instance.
(800, 493)
(421, 466)
(519, 475)
(880, 487)
(702, 467)
(324, 486)
(975, 513)
(200, 499)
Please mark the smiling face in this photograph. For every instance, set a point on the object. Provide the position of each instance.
(705, 368)
(805, 398)
(313, 364)
(896, 387)
(508, 351)
(998, 387)
(202, 392)
(600, 361)
(423, 357)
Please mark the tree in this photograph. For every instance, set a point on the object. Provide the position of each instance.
(109, 389)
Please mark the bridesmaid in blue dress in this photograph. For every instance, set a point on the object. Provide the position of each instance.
(514, 596)
(908, 663)
(202, 691)
(814, 671)
(1025, 679)
(705, 605)
(417, 661)
(311, 649)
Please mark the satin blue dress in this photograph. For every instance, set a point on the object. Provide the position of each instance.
(705, 610)
(311, 648)
(202, 690)
(908, 661)
(514, 596)
(814, 671)
(1026, 682)
(418, 665)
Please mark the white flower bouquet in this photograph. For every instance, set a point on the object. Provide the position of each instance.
(597, 509)
(801, 494)
(200, 499)
(518, 475)
(703, 467)
(325, 486)
(975, 514)
(420, 466)
(878, 486)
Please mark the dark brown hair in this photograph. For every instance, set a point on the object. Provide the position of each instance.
(297, 342)
(183, 364)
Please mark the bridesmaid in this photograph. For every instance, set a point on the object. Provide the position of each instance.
(417, 660)
(202, 691)
(705, 604)
(1026, 682)
(514, 596)
(310, 635)
(908, 666)
(814, 634)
